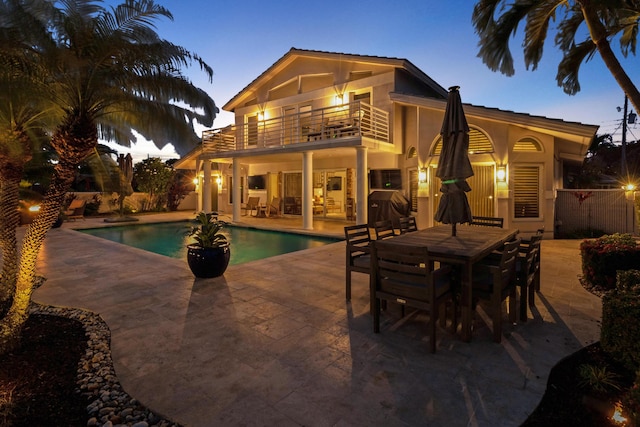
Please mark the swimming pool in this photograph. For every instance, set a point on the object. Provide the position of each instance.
(247, 244)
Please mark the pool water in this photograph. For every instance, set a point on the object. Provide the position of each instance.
(170, 239)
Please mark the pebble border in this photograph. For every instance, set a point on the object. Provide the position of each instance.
(110, 405)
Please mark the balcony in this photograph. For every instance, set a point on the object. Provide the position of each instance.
(353, 120)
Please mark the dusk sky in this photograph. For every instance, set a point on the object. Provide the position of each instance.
(241, 39)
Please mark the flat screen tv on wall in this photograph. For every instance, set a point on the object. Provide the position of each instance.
(385, 179)
(256, 182)
(334, 183)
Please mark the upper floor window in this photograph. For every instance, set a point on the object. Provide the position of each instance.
(527, 144)
(478, 143)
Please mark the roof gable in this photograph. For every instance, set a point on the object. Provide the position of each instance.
(301, 71)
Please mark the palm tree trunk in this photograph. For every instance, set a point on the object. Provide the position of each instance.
(599, 36)
(73, 141)
(9, 202)
(15, 152)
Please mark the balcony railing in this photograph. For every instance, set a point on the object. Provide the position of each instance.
(356, 119)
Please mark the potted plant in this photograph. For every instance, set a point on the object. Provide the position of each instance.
(209, 255)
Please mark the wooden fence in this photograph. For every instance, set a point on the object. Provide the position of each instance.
(583, 211)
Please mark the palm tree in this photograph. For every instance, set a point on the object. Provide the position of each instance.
(21, 125)
(495, 21)
(108, 73)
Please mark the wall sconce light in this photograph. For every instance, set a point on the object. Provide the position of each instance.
(629, 187)
(219, 180)
(501, 174)
(422, 176)
(195, 181)
(260, 116)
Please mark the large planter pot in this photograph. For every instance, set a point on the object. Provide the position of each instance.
(208, 262)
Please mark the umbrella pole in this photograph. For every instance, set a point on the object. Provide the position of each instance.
(453, 229)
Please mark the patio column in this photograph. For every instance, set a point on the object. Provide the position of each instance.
(307, 190)
(206, 186)
(237, 201)
(362, 185)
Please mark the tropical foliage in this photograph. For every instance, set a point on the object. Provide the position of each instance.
(154, 177)
(181, 185)
(604, 160)
(208, 231)
(582, 28)
(72, 72)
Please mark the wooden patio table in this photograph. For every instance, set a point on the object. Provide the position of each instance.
(469, 246)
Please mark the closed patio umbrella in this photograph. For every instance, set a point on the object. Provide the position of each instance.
(454, 166)
(125, 163)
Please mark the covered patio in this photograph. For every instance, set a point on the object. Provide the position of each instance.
(273, 342)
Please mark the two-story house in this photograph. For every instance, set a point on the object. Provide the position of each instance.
(319, 131)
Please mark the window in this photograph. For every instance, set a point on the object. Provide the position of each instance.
(527, 144)
(413, 189)
(526, 191)
(478, 143)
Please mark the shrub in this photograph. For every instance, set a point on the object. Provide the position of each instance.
(631, 401)
(620, 334)
(598, 378)
(92, 207)
(603, 257)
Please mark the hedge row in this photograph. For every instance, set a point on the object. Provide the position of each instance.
(603, 257)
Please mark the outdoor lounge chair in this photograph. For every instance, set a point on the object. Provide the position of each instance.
(274, 209)
(251, 205)
(403, 274)
(75, 210)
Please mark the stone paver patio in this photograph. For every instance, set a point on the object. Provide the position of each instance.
(273, 342)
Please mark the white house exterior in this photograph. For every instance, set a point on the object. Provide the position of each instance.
(313, 128)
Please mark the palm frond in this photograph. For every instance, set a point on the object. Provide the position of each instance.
(537, 28)
(569, 67)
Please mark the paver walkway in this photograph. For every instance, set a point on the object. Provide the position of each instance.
(273, 342)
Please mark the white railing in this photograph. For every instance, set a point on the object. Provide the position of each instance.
(356, 119)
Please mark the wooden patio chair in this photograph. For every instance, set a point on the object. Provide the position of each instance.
(358, 253)
(527, 268)
(495, 282)
(274, 208)
(384, 229)
(487, 221)
(251, 205)
(407, 224)
(75, 210)
(404, 275)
